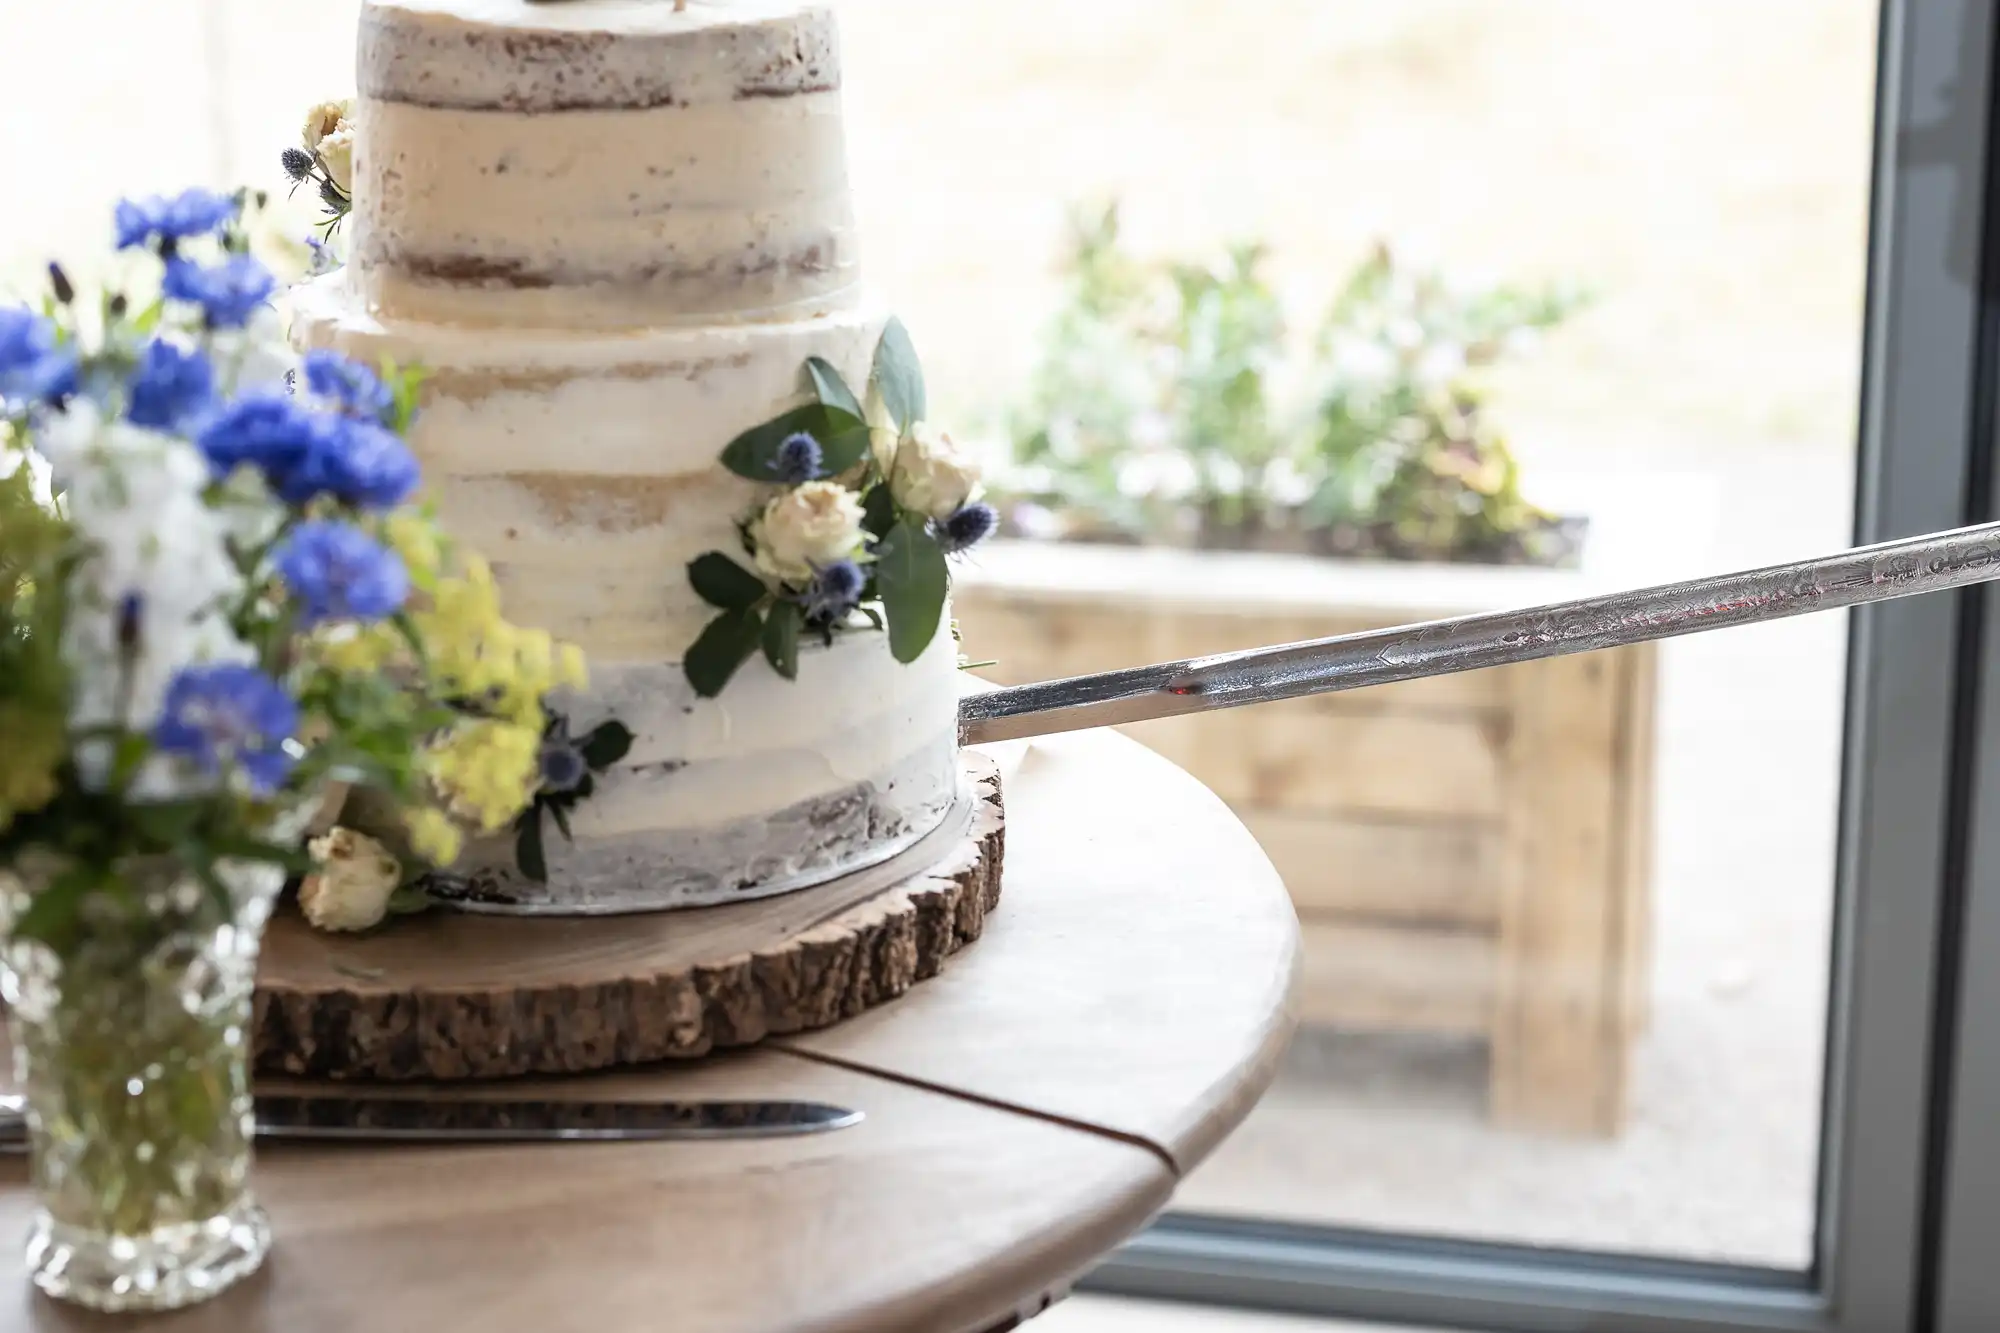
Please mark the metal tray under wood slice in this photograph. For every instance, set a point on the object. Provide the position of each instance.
(450, 996)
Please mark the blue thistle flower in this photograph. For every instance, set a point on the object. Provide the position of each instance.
(799, 460)
(967, 528)
(216, 715)
(171, 387)
(348, 384)
(187, 215)
(562, 765)
(33, 367)
(339, 572)
(229, 292)
(835, 592)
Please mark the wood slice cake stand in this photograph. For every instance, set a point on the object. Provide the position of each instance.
(448, 996)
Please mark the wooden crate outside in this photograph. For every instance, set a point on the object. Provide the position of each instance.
(1468, 854)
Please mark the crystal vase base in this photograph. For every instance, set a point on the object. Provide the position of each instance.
(167, 1269)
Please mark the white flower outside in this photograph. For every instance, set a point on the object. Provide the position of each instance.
(934, 475)
(807, 528)
(353, 878)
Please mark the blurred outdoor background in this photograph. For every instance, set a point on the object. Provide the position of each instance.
(1626, 252)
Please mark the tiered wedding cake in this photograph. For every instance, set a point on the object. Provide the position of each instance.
(616, 233)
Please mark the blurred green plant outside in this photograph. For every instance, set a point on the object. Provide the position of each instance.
(1170, 405)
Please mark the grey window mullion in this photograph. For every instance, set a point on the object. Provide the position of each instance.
(1918, 426)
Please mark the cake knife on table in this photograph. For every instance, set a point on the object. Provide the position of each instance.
(1905, 568)
(341, 1118)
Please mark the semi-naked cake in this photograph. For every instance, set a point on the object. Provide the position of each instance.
(614, 234)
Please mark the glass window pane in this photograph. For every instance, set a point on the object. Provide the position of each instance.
(1567, 927)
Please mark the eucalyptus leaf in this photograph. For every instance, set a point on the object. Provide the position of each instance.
(529, 856)
(724, 646)
(899, 377)
(914, 580)
(753, 455)
(721, 582)
(607, 745)
(844, 449)
(781, 638)
(878, 511)
(831, 388)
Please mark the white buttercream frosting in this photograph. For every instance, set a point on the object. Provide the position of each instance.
(600, 163)
(584, 466)
(612, 232)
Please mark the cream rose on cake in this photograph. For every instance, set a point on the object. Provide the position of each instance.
(323, 119)
(870, 501)
(807, 529)
(336, 154)
(353, 880)
(933, 474)
(325, 159)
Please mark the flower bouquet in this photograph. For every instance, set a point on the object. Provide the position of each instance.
(218, 605)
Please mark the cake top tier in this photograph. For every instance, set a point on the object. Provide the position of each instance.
(519, 55)
(601, 164)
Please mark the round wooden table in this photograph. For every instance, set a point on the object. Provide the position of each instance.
(1026, 1112)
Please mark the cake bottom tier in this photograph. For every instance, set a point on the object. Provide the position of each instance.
(801, 846)
(773, 787)
(777, 786)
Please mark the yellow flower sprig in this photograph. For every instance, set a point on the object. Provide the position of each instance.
(455, 646)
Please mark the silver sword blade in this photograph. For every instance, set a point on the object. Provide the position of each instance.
(1905, 568)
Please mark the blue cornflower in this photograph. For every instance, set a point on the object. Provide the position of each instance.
(339, 572)
(269, 430)
(229, 292)
(187, 215)
(835, 592)
(343, 381)
(217, 715)
(799, 460)
(33, 367)
(304, 454)
(967, 528)
(356, 461)
(171, 388)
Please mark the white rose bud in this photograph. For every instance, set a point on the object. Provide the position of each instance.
(934, 475)
(807, 528)
(336, 150)
(323, 120)
(353, 879)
